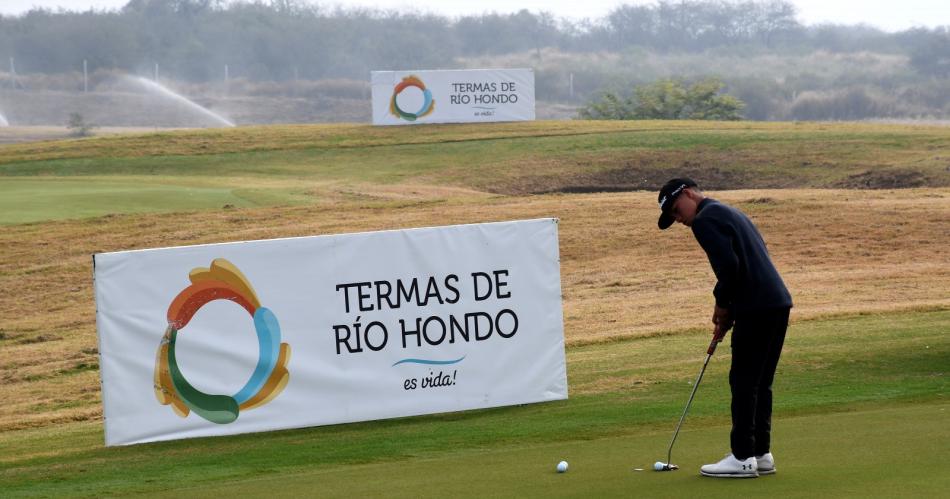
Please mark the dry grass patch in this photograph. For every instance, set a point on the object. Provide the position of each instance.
(840, 251)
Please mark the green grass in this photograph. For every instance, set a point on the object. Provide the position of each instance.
(891, 463)
(28, 200)
(36, 198)
(200, 170)
(860, 401)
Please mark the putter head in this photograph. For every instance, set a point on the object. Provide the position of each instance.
(671, 467)
(659, 466)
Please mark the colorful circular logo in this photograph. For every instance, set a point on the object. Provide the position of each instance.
(427, 105)
(221, 281)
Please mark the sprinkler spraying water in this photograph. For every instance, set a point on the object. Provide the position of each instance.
(3, 120)
(159, 89)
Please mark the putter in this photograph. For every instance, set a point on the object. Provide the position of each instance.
(668, 466)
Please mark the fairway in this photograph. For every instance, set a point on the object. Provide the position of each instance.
(29, 200)
(324, 164)
(856, 217)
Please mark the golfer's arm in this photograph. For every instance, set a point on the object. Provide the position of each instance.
(716, 241)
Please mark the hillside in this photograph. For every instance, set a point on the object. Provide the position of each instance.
(319, 164)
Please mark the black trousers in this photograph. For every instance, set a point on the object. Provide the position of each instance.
(757, 340)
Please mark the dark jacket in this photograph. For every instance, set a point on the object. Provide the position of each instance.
(747, 279)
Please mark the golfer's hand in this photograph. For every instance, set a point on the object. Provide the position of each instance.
(723, 322)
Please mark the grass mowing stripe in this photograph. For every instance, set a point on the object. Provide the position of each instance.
(822, 371)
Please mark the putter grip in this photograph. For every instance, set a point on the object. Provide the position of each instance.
(712, 344)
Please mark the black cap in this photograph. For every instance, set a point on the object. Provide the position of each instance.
(668, 194)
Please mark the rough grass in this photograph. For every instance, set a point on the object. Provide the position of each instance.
(840, 251)
(293, 137)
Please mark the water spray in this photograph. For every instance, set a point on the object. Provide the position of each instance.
(164, 91)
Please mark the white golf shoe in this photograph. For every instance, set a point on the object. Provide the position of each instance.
(766, 463)
(730, 467)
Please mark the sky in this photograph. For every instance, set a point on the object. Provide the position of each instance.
(889, 15)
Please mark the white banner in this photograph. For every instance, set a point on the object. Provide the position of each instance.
(233, 338)
(452, 96)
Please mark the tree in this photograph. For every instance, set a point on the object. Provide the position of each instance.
(775, 16)
(630, 25)
(931, 56)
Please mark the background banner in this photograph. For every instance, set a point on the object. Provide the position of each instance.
(452, 96)
(254, 336)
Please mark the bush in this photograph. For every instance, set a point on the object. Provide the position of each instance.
(77, 124)
(668, 99)
(609, 107)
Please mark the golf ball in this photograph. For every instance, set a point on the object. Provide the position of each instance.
(657, 466)
(562, 466)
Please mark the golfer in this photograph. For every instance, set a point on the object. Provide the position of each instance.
(751, 296)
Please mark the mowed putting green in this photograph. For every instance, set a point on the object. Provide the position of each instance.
(894, 452)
